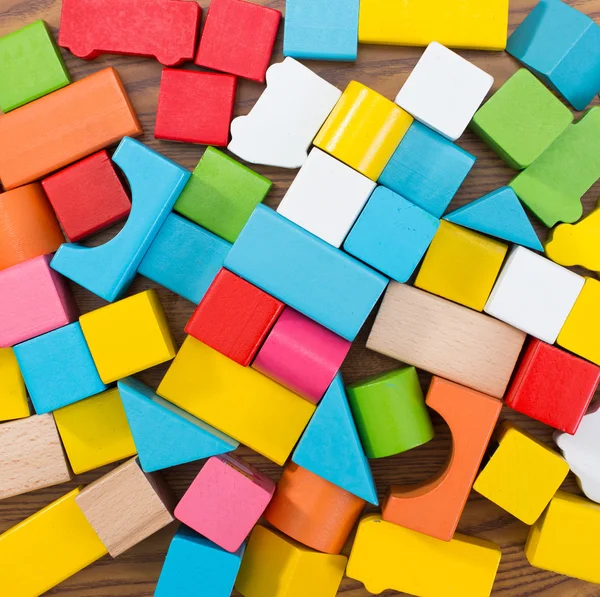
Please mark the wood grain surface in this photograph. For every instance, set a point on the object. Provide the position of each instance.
(385, 69)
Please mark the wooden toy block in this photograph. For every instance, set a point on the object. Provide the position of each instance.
(184, 258)
(284, 121)
(222, 194)
(390, 413)
(28, 226)
(522, 475)
(238, 401)
(444, 91)
(464, 566)
(234, 317)
(225, 501)
(34, 299)
(326, 197)
(238, 38)
(87, 196)
(48, 547)
(128, 336)
(435, 506)
(32, 66)
(427, 169)
(108, 270)
(317, 31)
(521, 120)
(13, 396)
(63, 127)
(305, 272)
(498, 214)
(31, 455)
(562, 47)
(534, 294)
(164, 29)
(275, 566)
(126, 506)
(331, 448)
(164, 434)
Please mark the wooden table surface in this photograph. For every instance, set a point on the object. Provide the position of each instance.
(384, 68)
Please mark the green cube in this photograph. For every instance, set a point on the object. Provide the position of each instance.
(521, 120)
(222, 194)
(31, 66)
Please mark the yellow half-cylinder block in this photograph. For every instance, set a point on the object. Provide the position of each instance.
(469, 24)
(13, 396)
(388, 556)
(239, 401)
(363, 130)
(47, 548)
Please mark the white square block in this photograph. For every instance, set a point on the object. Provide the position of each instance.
(444, 91)
(534, 294)
(326, 197)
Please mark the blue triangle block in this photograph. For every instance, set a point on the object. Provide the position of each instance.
(331, 448)
(164, 434)
(498, 214)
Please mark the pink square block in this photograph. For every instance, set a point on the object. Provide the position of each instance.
(225, 501)
(34, 299)
(302, 355)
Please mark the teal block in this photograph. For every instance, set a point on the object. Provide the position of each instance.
(164, 434)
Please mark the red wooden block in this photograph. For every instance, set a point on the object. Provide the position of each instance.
(195, 107)
(164, 29)
(234, 317)
(87, 196)
(238, 38)
(553, 386)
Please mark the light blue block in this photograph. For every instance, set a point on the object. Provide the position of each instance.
(109, 269)
(196, 567)
(562, 47)
(58, 368)
(321, 30)
(498, 214)
(164, 434)
(330, 446)
(305, 272)
(427, 169)
(184, 258)
(392, 234)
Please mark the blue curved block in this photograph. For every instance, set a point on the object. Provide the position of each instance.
(109, 269)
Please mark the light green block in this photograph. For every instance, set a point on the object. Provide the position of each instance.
(222, 194)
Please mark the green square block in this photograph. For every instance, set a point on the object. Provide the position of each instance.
(31, 66)
(222, 194)
(521, 120)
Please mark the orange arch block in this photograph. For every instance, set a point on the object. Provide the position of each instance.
(434, 508)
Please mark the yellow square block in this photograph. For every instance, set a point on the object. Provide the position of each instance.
(239, 401)
(522, 475)
(47, 548)
(461, 265)
(13, 396)
(470, 24)
(363, 130)
(95, 431)
(128, 336)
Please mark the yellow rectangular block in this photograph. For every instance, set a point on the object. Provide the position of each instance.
(239, 401)
(13, 396)
(388, 556)
(47, 548)
(469, 24)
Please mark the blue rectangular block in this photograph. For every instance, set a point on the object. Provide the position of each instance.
(305, 272)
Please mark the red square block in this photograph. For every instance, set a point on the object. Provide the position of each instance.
(234, 317)
(238, 38)
(87, 196)
(195, 107)
(553, 386)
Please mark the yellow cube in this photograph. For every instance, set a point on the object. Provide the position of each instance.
(522, 475)
(363, 130)
(461, 265)
(13, 396)
(128, 336)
